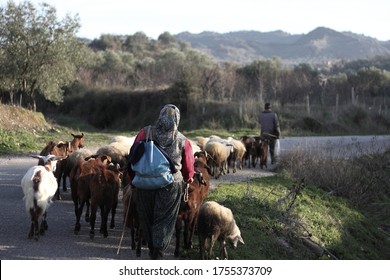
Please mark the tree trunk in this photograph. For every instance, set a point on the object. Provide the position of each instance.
(308, 104)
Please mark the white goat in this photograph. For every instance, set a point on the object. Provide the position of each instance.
(39, 186)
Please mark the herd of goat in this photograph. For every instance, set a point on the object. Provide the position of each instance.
(97, 178)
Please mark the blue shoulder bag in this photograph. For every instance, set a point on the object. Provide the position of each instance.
(154, 169)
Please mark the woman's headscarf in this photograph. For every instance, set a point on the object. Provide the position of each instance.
(167, 124)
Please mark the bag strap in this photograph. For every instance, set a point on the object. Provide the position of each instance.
(149, 133)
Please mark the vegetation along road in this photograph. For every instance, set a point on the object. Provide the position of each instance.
(61, 243)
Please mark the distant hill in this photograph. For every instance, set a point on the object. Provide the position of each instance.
(320, 45)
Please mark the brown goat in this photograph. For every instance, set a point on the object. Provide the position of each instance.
(263, 152)
(104, 188)
(131, 218)
(189, 208)
(80, 177)
(62, 149)
(250, 156)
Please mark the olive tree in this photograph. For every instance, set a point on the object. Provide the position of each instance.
(39, 53)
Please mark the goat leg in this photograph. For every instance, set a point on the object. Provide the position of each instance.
(44, 225)
(36, 229)
(64, 188)
(92, 221)
(31, 233)
(113, 213)
(139, 242)
(87, 212)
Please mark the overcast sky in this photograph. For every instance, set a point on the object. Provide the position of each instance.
(153, 17)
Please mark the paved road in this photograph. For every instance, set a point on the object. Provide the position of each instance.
(60, 241)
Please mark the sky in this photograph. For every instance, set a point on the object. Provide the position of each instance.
(154, 17)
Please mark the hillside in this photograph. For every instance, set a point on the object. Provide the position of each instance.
(320, 45)
(14, 118)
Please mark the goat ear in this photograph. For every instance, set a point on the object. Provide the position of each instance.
(36, 156)
(241, 240)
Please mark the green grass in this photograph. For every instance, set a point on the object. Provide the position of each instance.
(272, 232)
(26, 142)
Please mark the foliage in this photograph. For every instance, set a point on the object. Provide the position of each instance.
(40, 54)
(362, 180)
(342, 97)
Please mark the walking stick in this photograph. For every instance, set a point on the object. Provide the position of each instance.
(124, 223)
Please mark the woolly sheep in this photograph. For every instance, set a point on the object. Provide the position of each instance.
(195, 147)
(123, 143)
(218, 154)
(201, 141)
(118, 148)
(239, 151)
(116, 152)
(217, 223)
(39, 185)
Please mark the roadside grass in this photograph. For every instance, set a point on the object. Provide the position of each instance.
(221, 133)
(31, 141)
(24, 141)
(317, 226)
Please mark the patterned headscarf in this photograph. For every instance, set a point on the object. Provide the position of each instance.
(167, 124)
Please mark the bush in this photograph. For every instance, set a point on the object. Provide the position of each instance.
(364, 180)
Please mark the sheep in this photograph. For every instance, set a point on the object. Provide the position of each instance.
(201, 142)
(195, 146)
(125, 141)
(218, 156)
(104, 189)
(189, 208)
(39, 186)
(117, 151)
(239, 151)
(217, 223)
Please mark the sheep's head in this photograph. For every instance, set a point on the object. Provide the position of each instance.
(235, 237)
